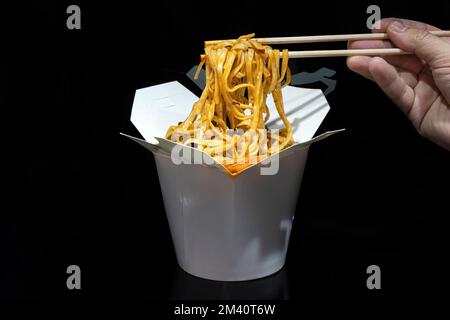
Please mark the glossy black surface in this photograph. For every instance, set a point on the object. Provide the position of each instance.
(82, 194)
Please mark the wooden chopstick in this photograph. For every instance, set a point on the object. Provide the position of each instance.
(346, 53)
(335, 38)
(329, 38)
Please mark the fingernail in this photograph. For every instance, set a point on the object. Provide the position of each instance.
(397, 26)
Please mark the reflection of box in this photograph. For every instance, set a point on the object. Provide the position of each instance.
(227, 227)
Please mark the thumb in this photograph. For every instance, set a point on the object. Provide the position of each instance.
(434, 51)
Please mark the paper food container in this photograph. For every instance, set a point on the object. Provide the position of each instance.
(224, 227)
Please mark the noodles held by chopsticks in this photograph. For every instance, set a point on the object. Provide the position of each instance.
(228, 121)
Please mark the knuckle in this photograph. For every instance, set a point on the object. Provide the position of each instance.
(421, 35)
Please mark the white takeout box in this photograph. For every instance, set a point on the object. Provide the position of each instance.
(225, 227)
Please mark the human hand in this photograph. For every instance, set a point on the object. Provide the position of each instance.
(418, 84)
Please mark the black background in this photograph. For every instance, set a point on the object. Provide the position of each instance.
(81, 194)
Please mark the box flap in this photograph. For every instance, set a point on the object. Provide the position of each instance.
(158, 107)
(304, 108)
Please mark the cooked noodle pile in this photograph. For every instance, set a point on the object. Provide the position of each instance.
(228, 121)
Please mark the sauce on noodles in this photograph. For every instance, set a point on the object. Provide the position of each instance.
(228, 121)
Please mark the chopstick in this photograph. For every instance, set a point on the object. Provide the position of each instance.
(346, 53)
(329, 38)
(336, 38)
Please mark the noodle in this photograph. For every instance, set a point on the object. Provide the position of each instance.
(228, 120)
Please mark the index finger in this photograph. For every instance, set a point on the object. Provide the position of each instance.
(384, 23)
(409, 23)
